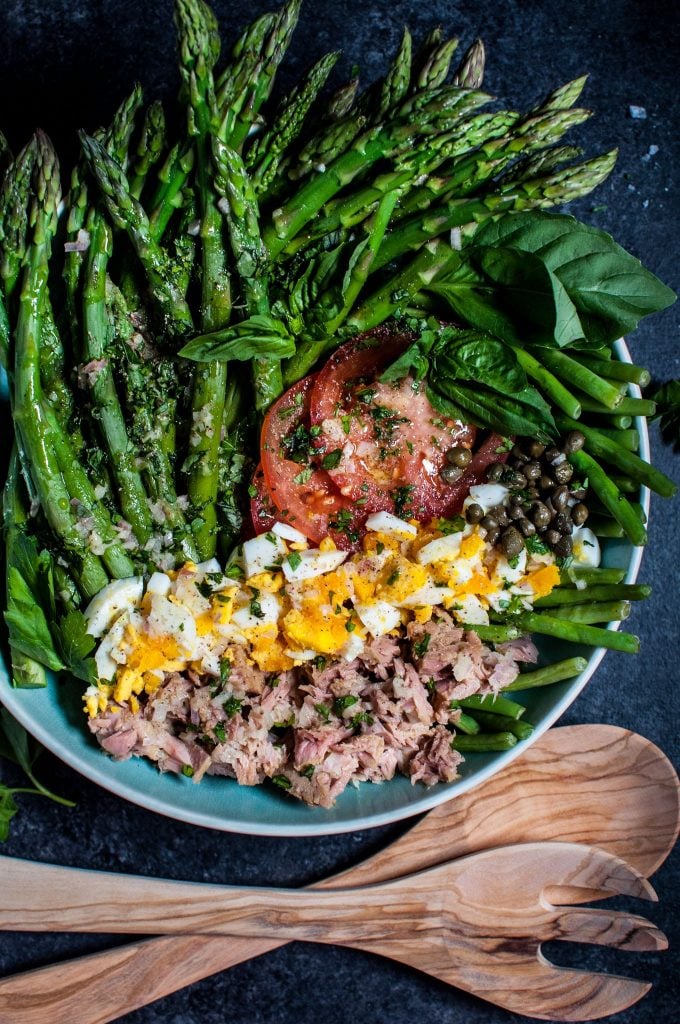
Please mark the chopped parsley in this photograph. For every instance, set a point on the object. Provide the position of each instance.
(341, 703)
(282, 781)
(362, 717)
(225, 670)
(252, 491)
(402, 497)
(323, 710)
(220, 733)
(294, 560)
(319, 662)
(234, 572)
(343, 524)
(307, 771)
(232, 706)
(303, 476)
(298, 445)
(346, 423)
(449, 526)
(350, 626)
(332, 459)
(393, 577)
(255, 606)
(187, 770)
(535, 546)
(379, 548)
(421, 646)
(204, 589)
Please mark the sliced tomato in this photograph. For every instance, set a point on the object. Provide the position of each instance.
(384, 443)
(303, 495)
(262, 508)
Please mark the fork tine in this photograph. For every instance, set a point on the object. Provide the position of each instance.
(547, 992)
(609, 928)
(593, 869)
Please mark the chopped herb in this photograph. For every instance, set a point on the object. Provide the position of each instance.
(223, 598)
(409, 447)
(505, 446)
(343, 524)
(187, 770)
(323, 710)
(204, 588)
(294, 560)
(225, 670)
(255, 606)
(403, 496)
(340, 703)
(298, 445)
(303, 476)
(350, 626)
(393, 577)
(362, 717)
(319, 662)
(431, 686)
(234, 572)
(379, 548)
(422, 645)
(449, 526)
(252, 491)
(332, 459)
(366, 395)
(181, 627)
(513, 562)
(232, 706)
(274, 682)
(220, 733)
(272, 538)
(307, 771)
(346, 423)
(535, 546)
(282, 781)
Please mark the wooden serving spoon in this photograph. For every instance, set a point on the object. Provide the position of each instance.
(594, 784)
(477, 923)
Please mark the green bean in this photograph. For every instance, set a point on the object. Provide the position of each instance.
(626, 406)
(483, 742)
(592, 636)
(548, 674)
(617, 370)
(609, 494)
(490, 702)
(628, 439)
(606, 592)
(624, 483)
(566, 368)
(605, 527)
(501, 723)
(587, 614)
(467, 724)
(573, 575)
(602, 447)
(549, 384)
(496, 634)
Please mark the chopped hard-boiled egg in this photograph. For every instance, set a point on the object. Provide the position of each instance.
(293, 603)
(586, 548)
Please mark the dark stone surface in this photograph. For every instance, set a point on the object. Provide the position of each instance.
(66, 64)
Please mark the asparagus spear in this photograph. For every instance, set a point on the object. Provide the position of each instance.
(149, 147)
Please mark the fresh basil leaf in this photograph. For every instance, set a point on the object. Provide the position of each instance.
(609, 287)
(509, 294)
(472, 355)
(76, 644)
(258, 337)
(414, 359)
(8, 809)
(29, 631)
(17, 738)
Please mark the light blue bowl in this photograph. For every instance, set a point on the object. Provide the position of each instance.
(54, 716)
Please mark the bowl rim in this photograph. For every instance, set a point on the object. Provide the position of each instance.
(431, 797)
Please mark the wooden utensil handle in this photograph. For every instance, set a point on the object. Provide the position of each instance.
(44, 897)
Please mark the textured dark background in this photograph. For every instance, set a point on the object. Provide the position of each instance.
(66, 64)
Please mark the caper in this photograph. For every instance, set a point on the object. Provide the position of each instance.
(560, 497)
(489, 522)
(563, 522)
(450, 474)
(574, 441)
(563, 473)
(474, 513)
(501, 516)
(546, 482)
(495, 471)
(579, 493)
(536, 449)
(520, 455)
(579, 514)
(516, 499)
(551, 454)
(532, 492)
(564, 547)
(517, 480)
(493, 535)
(512, 542)
(515, 512)
(532, 470)
(551, 537)
(527, 527)
(541, 515)
(459, 457)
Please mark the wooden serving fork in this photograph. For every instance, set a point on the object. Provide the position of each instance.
(476, 923)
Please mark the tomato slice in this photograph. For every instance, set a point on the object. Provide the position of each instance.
(384, 443)
(262, 508)
(303, 495)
